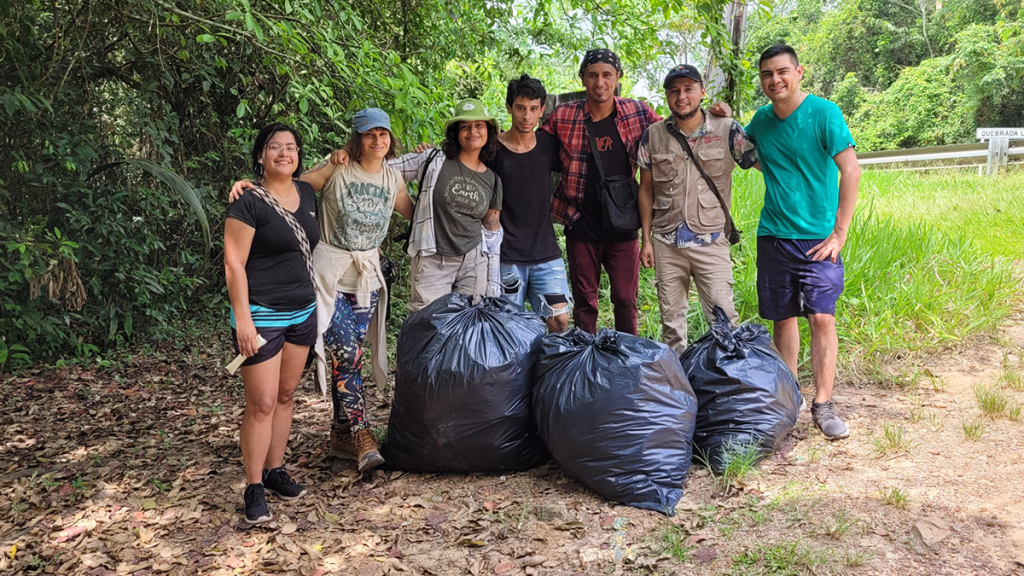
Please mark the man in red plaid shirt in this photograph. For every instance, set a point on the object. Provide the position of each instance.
(618, 125)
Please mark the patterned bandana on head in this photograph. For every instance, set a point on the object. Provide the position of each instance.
(600, 56)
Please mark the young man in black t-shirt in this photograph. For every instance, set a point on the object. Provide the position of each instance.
(531, 260)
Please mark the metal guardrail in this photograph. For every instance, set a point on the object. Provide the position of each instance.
(932, 157)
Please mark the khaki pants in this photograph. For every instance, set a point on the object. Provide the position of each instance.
(711, 270)
(434, 275)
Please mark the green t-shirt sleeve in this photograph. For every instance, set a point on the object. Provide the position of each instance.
(751, 128)
(498, 193)
(837, 133)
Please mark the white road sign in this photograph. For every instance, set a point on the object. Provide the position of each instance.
(989, 133)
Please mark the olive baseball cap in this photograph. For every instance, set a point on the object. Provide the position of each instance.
(471, 110)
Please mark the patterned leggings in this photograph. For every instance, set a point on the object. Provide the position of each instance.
(344, 344)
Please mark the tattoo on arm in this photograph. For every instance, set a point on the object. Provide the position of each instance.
(318, 166)
(492, 220)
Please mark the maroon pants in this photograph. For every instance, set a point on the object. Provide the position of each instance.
(622, 262)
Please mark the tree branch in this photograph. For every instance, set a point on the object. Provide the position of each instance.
(252, 38)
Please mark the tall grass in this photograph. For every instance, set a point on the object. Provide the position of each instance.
(916, 278)
(986, 211)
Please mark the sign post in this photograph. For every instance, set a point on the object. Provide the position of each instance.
(998, 145)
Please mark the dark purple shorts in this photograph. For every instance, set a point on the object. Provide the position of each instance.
(277, 331)
(790, 283)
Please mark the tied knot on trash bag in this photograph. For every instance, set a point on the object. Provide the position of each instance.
(605, 339)
(722, 331)
(747, 398)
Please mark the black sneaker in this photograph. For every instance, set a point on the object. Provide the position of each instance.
(256, 511)
(277, 481)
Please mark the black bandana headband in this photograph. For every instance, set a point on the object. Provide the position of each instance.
(600, 56)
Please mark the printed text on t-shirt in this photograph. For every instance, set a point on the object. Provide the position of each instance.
(466, 197)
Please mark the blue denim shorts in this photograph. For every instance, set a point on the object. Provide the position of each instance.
(542, 284)
(790, 283)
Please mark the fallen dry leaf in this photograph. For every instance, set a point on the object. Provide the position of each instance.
(533, 560)
(696, 538)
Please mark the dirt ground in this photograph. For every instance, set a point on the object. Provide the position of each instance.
(135, 469)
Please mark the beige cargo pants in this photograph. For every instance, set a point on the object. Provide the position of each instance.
(711, 270)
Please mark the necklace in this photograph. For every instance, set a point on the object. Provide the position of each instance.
(476, 173)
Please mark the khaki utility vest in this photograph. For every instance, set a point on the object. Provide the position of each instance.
(680, 192)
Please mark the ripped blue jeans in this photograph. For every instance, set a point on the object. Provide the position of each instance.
(539, 284)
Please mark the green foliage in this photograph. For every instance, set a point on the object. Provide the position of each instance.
(14, 352)
(673, 539)
(994, 402)
(895, 497)
(849, 95)
(973, 429)
(179, 88)
(172, 180)
(1011, 376)
(893, 440)
(922, 108)
(923, 73)
(783, 559)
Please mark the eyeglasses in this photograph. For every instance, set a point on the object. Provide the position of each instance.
(277, 148)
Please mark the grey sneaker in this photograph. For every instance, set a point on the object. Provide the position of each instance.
(824, 415)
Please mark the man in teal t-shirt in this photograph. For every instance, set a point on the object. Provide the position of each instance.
(811, 178)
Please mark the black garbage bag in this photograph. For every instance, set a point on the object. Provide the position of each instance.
(462, 390)
(747, 398)
(617, 414)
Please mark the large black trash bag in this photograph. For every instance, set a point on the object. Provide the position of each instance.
(462, 390)
(747, 398)
(617, 414)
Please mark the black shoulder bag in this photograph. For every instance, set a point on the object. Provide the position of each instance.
(731, 232)
(619, 194)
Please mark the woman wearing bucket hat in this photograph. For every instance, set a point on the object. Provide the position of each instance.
(355, 206)
(450, 251)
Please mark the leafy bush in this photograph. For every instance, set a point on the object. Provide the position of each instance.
(924, 107)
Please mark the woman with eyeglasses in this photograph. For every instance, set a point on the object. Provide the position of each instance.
(269, 236)
(356, 203)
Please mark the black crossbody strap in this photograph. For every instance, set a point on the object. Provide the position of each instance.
(300, 233)
(711, 184)
(593, 148)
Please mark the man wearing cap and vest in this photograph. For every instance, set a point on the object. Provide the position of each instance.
(617, 125)
(685, 219)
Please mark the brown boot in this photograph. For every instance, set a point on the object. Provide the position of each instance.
(342, 444)
(369, 457)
